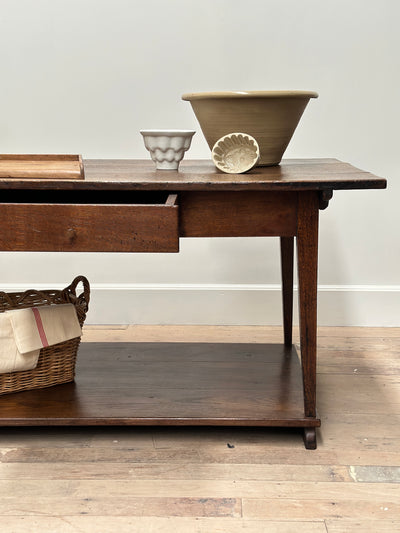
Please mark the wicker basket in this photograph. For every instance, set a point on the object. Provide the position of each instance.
(56, 363)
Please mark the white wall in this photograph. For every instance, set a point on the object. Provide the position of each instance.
(83, 76)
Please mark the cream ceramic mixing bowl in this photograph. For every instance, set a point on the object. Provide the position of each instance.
(269, 116)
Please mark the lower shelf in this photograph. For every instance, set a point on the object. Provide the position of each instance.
(170, 384)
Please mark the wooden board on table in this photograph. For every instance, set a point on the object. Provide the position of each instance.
(42, 166)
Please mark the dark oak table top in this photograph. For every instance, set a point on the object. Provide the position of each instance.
(202, 175)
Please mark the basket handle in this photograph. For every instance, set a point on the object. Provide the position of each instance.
(32, 292)
(85, 295)
(69, 291)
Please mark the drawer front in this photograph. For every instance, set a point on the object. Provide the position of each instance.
(90, 228)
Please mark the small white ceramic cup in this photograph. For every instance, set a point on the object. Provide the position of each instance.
(167, 147)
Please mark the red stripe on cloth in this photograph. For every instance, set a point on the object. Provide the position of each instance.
(40, 327)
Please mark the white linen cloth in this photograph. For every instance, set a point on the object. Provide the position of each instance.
(23, 332)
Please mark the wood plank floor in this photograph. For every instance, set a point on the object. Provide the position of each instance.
(206, 480)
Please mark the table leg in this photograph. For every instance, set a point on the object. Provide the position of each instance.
(287, 247)
(307, 256)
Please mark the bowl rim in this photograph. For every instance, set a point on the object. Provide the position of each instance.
(249, 94)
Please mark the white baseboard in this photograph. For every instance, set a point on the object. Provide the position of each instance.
(233, 304)
(239, 304)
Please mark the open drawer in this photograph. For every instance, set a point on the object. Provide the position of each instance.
(90, 222)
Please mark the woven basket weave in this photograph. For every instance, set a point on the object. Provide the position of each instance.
(56, 363)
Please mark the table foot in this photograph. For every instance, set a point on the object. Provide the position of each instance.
(310, 438)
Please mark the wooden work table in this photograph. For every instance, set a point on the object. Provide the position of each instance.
(128, 206)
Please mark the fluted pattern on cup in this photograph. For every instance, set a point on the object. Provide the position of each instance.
(168, 147)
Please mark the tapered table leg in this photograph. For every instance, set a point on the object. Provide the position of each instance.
(287, 247)
(307, 255)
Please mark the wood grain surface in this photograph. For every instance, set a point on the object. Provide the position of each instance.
(238, 214)
(89, 227)
(170, 384)
(291, 174)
